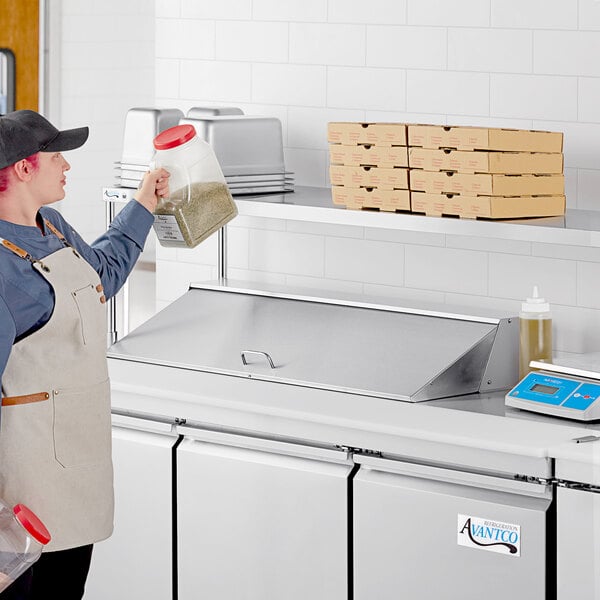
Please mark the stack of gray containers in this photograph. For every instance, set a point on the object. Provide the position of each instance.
(248, 148)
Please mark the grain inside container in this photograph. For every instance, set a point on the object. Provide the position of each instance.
(200, 202)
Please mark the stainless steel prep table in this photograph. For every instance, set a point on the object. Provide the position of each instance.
(361, 483)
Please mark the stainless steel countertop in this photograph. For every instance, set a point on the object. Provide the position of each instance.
(470, 430)
(493, 404)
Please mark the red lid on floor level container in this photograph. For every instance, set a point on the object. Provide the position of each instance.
(32, 523)
(174, 136)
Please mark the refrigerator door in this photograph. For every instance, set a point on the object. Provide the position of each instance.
(260, 519)
(420, 537)
(137, 560)
(578, 544)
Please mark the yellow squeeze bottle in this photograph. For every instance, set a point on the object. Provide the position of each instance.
(535, 332)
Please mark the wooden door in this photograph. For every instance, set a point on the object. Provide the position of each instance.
(19, 31)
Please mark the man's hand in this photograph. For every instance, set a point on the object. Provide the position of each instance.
(155, 185)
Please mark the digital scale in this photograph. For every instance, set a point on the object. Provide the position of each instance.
(564, 390)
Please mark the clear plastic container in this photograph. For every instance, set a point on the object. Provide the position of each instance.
(22, 538)
(199, 201)
(535, 332)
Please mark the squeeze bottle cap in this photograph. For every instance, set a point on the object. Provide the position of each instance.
(535, 303)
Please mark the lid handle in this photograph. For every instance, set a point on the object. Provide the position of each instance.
(260, 353)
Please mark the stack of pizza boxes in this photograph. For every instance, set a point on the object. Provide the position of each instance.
(369, 165)
(480, 172)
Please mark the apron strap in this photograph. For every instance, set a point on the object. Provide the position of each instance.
(24, 254)
(14, 400)
(14, 248)
(61, 237)
(56, 232)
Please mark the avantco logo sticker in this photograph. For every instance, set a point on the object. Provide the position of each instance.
(489, 535)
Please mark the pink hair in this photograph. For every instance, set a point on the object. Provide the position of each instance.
(5, 173)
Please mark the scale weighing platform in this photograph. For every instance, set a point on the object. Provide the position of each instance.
(562, 390)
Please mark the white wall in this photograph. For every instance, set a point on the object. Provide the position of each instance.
(106, 51)
(513, 63)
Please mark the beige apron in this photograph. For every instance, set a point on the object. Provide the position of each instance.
(55, 428)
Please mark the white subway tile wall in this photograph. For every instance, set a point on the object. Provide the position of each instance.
(214, 80)
(286, 253)
(313, 162)
(107, 58)
(534, 14)
(589, 14)
(565, 53)
(224, 9)
(328, 44)
(392, 12)
(457, 92)
(588, 284)
(512, 276)
(588, 184)
(192, 38)
(466, 13)
(506, 63)
(478, 50)
(589, 98)
(254, 41)
(289, 11)
(360, 87)
(535, 96)
(581, 147)
(446, 270)
(366, 261)
(300, 85)
(406, 47)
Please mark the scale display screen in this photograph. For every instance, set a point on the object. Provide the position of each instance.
(544, 389)
(557, 395)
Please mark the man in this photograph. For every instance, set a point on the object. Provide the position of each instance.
(55, 425)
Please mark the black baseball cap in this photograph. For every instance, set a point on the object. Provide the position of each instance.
(26, 132)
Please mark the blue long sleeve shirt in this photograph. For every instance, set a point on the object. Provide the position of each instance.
(27, 299)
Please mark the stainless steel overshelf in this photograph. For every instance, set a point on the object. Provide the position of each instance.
(577, 227)
(367, 349)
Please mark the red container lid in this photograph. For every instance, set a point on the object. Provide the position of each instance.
(174, 136)
(32, 523)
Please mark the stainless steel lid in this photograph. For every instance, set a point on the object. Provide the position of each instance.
(366, 349)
